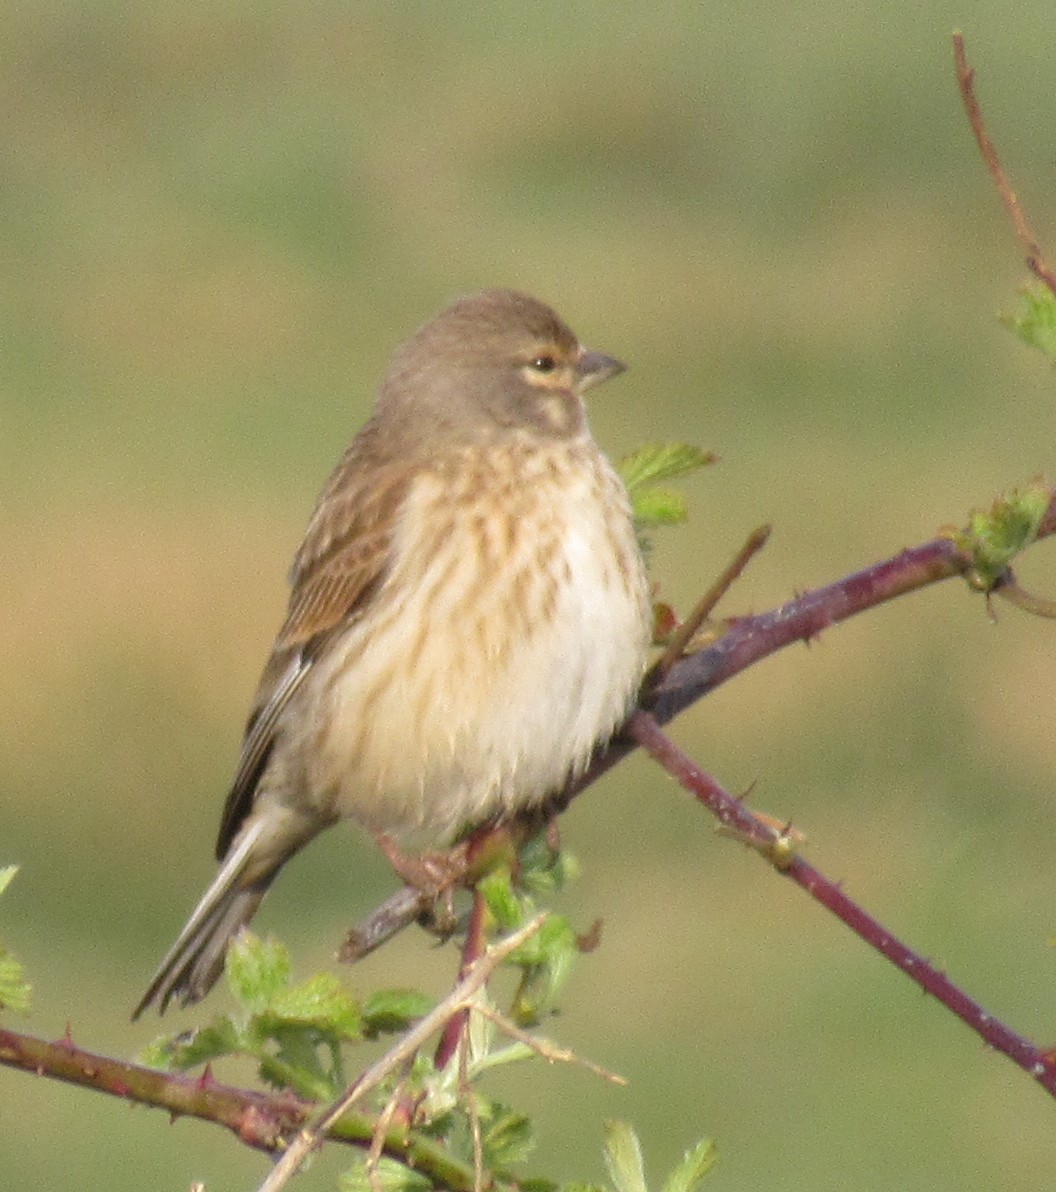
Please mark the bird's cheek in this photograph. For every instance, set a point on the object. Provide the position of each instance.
(560, 413)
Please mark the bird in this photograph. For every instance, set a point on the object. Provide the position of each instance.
(469, 616)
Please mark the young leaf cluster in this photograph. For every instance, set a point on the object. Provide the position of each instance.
(302, 1036)
(996, 535)
(645, 471)
(295, 1032)
(623, 1159)
(1036, 323)
(546, 959)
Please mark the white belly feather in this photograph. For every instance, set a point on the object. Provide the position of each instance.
(493, 659)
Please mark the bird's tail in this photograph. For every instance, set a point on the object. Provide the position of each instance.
(196, 959)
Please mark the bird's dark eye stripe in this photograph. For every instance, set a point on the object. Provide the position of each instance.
(544, 364)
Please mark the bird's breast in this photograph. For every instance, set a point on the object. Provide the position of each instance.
(508, 638)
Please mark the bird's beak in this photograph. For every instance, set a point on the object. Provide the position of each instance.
(593, 367)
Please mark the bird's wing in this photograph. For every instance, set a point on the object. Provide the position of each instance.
(339, 567)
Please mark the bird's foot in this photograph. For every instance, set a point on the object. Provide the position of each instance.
(431, 874)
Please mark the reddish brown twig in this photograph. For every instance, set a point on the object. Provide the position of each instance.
(684, 634)
(1036, 262)
(473, 946)
(731, 812)
(260, 1120)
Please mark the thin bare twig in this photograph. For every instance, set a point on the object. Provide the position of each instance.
(385, 1120)
(543, 1047)
(1036, 262)
(685, 633)
(468, 1094)
(1039, 606)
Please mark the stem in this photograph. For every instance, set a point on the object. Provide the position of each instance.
(472, 948)
(1036, 262)
(685, 633)
(260, 1120)
(732, 812)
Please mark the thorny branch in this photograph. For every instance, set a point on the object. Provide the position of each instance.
(774, 844)
(259, 1120)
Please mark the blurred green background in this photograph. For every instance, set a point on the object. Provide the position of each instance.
(217, 221)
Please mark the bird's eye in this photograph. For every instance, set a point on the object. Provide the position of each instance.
(544, 364)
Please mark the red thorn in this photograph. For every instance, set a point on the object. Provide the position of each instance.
(590, 940)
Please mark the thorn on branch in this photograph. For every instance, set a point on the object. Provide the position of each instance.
(780, 848)
(590, 940)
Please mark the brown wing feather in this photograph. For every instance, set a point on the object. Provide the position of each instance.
(337, 569)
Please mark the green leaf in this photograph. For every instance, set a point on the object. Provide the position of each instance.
(546, 961)
(391, 1010)
(296, 1051)
(695, 1165)
(662, 461)
(301, 1074)
(513, 1053)
(221, 1037)
(508, 1140)
(542, 981)
(543, 869)
(623, 1158)
(644, 469)
(658, 507)
(389, 1176)
(256, 969)
(15, 990)
(995, 536)
(480, 1035)
(503, 902)
(321, 1002)
(297, 1039)
(1036, 324)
